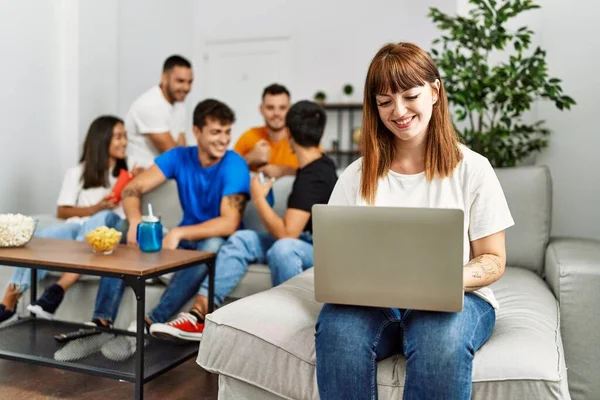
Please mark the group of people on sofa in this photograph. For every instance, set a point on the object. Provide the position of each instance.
(411, 158)
(214, 186)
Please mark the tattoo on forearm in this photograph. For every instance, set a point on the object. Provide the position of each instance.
(488, 266)
(131, 191)
(488, 270)
(238, 201)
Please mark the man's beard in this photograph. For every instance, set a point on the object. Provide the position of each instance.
(171, 93)
(276, 129)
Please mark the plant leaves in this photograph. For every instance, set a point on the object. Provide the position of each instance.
(495, 95)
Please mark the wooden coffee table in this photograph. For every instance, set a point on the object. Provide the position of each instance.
(31, 339)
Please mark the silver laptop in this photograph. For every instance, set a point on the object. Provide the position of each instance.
(395, 257)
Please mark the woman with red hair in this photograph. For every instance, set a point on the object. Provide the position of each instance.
(412, 158)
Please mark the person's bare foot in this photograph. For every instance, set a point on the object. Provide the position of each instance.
(11, 296)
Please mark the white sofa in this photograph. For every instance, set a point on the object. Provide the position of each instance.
(262, 346)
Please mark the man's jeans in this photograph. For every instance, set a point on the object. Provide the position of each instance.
(439, 349)
(21, 277)
(181, 288)
(286, 258)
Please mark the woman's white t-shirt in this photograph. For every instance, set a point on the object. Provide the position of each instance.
(473, 187)
(72, 193)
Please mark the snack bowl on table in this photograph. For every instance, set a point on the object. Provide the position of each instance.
(103, 239)
(16, 230)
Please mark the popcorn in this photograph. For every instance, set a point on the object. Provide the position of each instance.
(15, 230)
(103, 239)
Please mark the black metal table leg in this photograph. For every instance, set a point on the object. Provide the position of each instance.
(211, 285)
(33, 288)
(140, 292)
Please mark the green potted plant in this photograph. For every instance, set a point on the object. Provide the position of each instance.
(489, 99)
(348, 89)
(320, 97)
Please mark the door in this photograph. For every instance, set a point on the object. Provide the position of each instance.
(238, 71)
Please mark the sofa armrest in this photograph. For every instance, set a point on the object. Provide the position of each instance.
(573, 273)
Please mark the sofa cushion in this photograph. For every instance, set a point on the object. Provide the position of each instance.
(272, 347)
(257, 279)
(528, 191)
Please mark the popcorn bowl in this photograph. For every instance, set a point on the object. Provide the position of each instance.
(103, 239)
(16, 230)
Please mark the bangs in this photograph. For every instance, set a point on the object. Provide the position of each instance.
(395, 74)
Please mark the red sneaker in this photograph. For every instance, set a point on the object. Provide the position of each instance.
(184, 327)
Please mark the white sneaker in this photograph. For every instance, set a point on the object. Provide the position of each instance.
(121, 347)
(82, 347)
(40, 312)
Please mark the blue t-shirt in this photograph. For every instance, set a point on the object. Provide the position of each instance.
(201, 189)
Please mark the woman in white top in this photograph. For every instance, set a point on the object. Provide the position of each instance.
(83, 202)
(412, 158)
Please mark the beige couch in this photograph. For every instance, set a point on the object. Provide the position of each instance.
(262, 346)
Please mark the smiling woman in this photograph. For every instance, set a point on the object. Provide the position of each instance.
(406, 94)
(104, 147)
(85, 204)
(412, 158)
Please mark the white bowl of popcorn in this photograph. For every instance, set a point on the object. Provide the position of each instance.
(16, 230)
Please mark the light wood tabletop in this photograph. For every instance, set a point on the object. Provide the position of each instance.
(126, 260)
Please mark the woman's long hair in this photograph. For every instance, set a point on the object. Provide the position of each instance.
(397, 68)
(95, 157)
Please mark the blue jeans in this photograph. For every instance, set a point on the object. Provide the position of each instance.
(286, 258)
(182, 287)
(21, 277)
(439, 349)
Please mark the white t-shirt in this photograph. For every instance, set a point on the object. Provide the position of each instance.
(72, 193)
(152, 113)
(473, 187)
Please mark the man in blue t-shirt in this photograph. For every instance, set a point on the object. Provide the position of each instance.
(287, 245)
(213, 185)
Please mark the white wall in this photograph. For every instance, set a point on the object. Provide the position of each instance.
(149, 32)
(569, 34)
(331, 43)
(66, 61)
(60, 71)
(329, 47)
(30, 103)
(98, 61)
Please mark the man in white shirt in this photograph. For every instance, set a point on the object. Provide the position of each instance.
(156, 121)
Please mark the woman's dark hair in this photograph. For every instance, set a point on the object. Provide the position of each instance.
(95, 156)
